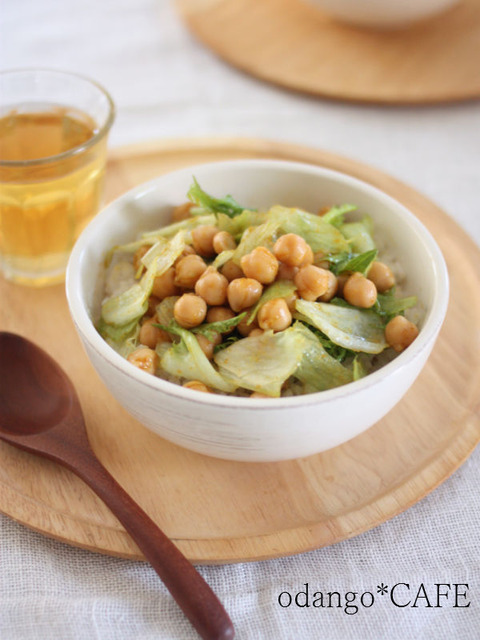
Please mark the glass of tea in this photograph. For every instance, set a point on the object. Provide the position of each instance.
(53, 141)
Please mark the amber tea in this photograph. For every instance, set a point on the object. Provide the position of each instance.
(44, 204)
(53, 134)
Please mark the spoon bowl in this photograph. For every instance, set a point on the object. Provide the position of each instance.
(40, 413)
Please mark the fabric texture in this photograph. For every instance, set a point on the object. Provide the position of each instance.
(166, 84)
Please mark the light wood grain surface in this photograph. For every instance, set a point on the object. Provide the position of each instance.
(221, 511)
(295, 45)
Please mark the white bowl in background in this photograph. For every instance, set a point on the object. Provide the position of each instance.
(382, 14)
(241, 428)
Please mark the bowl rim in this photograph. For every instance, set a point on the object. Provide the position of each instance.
(432, 322)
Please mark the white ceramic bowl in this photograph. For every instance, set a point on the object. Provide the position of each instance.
(243, 428)
(382, 14)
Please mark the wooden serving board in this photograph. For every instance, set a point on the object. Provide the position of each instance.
(220, 511)
(293, 44)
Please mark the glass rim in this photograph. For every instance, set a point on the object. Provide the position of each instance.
(101, 133)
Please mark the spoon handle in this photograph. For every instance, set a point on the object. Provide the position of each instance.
(188, 588)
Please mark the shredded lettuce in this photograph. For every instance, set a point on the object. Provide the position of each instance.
(279, 289)
(263, 235)
(318, 370)
(354, 329)
(222, 258)
(236, 226)
(133, 303)
(336, 215)
(319, 234)
(184, 225)
(117, 334)
(227, 205)
(359, 262)
(359, 368)
(185, 359)
(388, 306)
(209, 329)
(164, 309)
(359, 235)
(262, 363)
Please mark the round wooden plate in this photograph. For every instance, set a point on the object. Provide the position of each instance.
(220, 511)
(292, 44)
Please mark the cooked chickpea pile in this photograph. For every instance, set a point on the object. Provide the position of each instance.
(206, 294)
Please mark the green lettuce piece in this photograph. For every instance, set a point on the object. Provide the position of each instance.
(184, 225)
(354, 329)
(226, 205)
(237, 225)
(222, 258)
(320, 235)
(186, 359)
(318, 370)
(359, 262)
(279, 289)
(209, 329)
(133, 303)
(388, 306)
(117, 333)
(335, 215)
(359, 234)
(164, 309)
(263, 235)
(262, 363)
(359, 368)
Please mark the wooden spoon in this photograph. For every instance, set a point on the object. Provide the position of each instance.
(40, 412)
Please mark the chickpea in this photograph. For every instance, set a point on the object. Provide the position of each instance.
(309, 257)
(381, 275)
(212, 287)
(188, 250)
(286, 272)
(138, 255)
(196, 385)
(331, 288)
(291, 249)
(164, 285)
(245, 329)
(359, 291)
(145, 359)
(243, 293)
(182, 212)
(220, 314)
(202, 238)
(231, 271)
(150, 335)
(274, 315)
(256, 332)
(260, 264)
(188, 271)
(190, 310)
(400, 333)
(222, 241)
(323, 211)
(312, 282)
(207, 346)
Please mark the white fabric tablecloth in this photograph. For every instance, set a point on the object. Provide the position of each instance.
(166, 84)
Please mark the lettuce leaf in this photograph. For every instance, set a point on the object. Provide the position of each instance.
(335, 215)
(227, 205)
(388, 306)
(318, 370)
(354, 329)
(319, 234)
(262, 363)
(184, 225)
(263, 235)
(237, 225)
(359, 262)
(359, 234)
(133, 303)
(186, 359)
